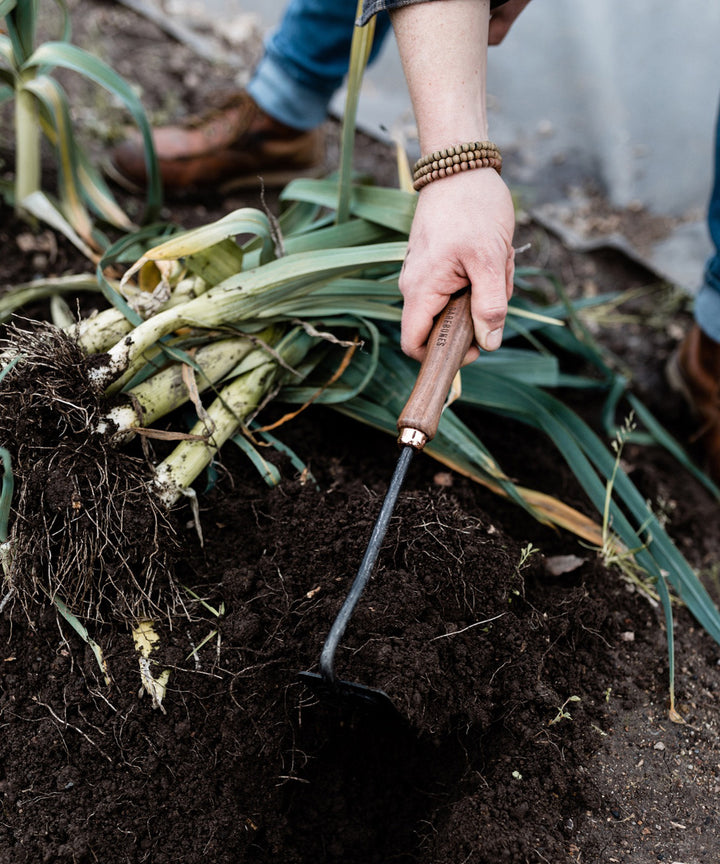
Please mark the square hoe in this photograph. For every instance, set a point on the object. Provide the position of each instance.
(450, 338)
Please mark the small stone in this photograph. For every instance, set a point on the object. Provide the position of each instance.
(556, 565)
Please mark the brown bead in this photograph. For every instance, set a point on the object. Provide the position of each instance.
(453, 160)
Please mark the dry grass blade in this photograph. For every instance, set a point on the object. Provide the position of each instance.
(345, 362)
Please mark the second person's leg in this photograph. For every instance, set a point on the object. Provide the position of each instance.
(271, 129)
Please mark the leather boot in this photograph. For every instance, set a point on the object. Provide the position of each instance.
(694, 371)
(228, 147)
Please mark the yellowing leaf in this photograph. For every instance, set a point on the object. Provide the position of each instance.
(155, 687)
(149, 277)
(145, 638)
(455, 390)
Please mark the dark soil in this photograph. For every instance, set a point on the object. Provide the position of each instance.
(531, 682)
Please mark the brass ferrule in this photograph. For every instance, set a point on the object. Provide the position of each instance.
(414, 438)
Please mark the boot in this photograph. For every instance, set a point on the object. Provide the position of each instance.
(694, 372)
(228, 147)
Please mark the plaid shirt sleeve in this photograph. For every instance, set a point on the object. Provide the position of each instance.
(372, 7)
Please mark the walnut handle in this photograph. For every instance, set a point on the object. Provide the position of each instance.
(450, 338)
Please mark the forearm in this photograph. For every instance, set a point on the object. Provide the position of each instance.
(443, 46)
(463, 225)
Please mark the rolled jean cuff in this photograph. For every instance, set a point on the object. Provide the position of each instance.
(285, 99)
(707, 302)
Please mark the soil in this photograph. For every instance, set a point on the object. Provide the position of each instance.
(529, 682)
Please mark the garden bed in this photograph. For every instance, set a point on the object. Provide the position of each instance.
(531, 679)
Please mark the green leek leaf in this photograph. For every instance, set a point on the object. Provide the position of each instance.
(267, 470)
(71, 57)
(6, 493)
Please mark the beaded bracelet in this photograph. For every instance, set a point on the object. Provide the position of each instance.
(453, 160)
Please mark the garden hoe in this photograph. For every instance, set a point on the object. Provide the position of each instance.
(450, 338)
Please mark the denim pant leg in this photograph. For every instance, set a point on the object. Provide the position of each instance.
(306, 60)
(707, 302)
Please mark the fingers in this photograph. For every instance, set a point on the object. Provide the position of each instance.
(419, 310)
(416, 326)
(489, 300)
(502, 20)
(461, 234)
(491, 297)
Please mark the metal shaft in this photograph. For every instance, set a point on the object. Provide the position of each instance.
(327, 657)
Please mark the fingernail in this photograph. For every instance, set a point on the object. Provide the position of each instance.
(493, 339)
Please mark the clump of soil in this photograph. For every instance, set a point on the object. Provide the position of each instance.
(86, 526)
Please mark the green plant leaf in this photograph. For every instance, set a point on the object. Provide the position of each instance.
(391, 208)
(664, 439)
(123, 251)
(6, 7)
(6, 493)
(71, 57)
(200, 241)
(8, 55)
(82, 632)
(31, 292)
(21, 21)
(590, 459)
(91, 184)
(53, 98)
(298, 464)
(40, 205)
(267, 470)
(360, 46)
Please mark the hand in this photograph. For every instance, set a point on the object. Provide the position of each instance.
(502, 20)
(461, 233)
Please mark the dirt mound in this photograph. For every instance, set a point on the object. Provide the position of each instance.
(499, 670)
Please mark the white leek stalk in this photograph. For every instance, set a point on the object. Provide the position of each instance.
(167, 390)
(27, 139)
(228, 414)
(236, 402)
(100, 331)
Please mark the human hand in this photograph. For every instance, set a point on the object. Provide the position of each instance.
(461, 233)
(503, 18)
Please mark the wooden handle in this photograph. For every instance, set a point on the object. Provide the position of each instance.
(450, 338)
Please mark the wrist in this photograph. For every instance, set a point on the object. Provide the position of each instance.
(455, 159)
(443, 124)
(444, 130)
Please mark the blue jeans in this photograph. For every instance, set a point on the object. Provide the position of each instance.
(707, 302)
(306, 60)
